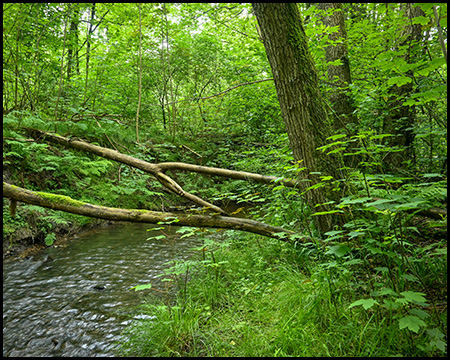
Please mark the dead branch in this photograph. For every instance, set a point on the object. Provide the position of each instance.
(106, 153)
(158, 170)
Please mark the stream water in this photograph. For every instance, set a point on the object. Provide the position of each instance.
(74, 300)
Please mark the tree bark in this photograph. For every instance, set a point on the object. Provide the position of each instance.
(301, 103)
(90, 30)
(140, 76)
(339, 75)
(72, 45)
(65, 203)
(400, 121)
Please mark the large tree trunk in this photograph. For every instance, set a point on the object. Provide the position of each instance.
(301, 103)
(65, 203)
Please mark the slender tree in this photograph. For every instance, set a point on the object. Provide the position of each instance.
(339, 75)
(140, 76)
(169, 79)
(88, 50)
(401, 118)
(62, 66)
(72, 45)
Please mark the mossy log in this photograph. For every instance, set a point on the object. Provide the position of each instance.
(67, 204)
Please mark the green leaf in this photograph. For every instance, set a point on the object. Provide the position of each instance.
(349, 201)
(432, 175)
(365, 303)
(408, 206)
(380, 136)
(141, 287)
(380, 204)
(437, 339)
(353, 234)
(420, 313)
(391, 305)
(327, 212)
(422, 20)
(353, 262)
(413, 296)
(335, 137)
(386, 291)
(338, 250)
(410, 277)
(399, 80)
(412, 323)
(334, 232)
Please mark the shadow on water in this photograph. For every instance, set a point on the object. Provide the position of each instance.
(73, 301)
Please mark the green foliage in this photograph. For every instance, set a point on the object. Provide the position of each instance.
(371, 287)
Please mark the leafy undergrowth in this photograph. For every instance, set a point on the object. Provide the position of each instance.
(253, 296)
(373, 286)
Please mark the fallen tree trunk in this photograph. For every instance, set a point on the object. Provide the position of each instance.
(158, 170)
(434, 213)
(67, 204)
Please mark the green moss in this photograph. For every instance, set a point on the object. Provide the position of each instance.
(61, 199)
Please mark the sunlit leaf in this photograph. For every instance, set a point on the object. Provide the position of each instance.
(412, 323)
(365, 303)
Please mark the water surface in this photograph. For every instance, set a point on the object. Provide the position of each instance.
(73, 301)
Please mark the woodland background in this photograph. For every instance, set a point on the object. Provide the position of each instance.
(192, 83)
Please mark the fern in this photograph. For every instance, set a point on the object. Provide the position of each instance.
(434, 194)
(57, 220)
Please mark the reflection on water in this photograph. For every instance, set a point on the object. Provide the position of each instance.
(68, 301)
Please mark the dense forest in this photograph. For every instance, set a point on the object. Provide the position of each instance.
(324, 124)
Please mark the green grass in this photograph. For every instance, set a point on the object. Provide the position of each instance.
(265, 298)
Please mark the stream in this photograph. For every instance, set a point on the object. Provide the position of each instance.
(76, 300)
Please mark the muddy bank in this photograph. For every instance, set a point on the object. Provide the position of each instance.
(27, 240)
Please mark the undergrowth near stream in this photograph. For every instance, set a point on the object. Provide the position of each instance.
(374, 286)
(250, 296)
(364, 126)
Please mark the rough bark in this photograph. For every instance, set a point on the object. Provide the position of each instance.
(400, 121)
(65, 203)
(339, 75)
(301, 103)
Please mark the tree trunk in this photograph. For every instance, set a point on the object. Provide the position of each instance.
(62, 67)
(400, 120)
(72, 45)
(301, 103)
(338, 75)
(88, 52)
(140, 76)
(65, 203)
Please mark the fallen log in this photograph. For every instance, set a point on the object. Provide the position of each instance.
(115, 155)
(158, 170)
(67, 204)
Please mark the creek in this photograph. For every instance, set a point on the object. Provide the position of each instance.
(76, 300)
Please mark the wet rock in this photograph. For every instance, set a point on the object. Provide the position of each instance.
(99, 287)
